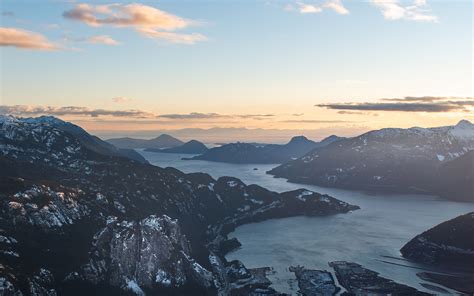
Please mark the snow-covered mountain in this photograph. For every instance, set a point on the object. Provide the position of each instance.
(77, 221)
(388, 159)
(35, 131)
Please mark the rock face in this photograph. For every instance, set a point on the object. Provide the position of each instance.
(191, 147)
(358, 280)
(74, 221)
(315, 282)
(160, 142)
(256, 153)
(150, 254)
(401, 160)
(450, 243)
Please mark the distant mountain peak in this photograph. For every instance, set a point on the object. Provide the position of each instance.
(331, 138)
(164, 137)
(464, 123)
(193, 142)
(299, 139)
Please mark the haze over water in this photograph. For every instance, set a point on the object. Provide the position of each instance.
(380, 228)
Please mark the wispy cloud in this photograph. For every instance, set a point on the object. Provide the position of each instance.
(103, 39)
(409, 104)
(424, 99)
(308, 8)
(417, 10)
(193, 115)
(122, 99)
(146, 20)
(24, 39)
(394, 10)
(25, 110)
(8, 13)
(337, 6)
(255, 116)
(197, 115)
(357, 113)
(28, 110)
(315, 121)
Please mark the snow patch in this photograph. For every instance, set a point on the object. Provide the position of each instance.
(232, 183)
(259, 202)
(302, 196)
(135, 288)
(163, 278)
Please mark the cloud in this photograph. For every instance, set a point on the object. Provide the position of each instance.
(103, 39)
(306, 8)
(408, 104)
(28, 110)
(25, 40)
(173, 37)
(121, 99)
(193, 115)
(315, 121)
(357, 113)
(393, 10)
(197, 115)
(146, 20)
(25, 110)
(337, 6)
(423, 99)
(255, 116)
(8, 13)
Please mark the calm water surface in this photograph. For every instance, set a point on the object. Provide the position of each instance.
(368, 236)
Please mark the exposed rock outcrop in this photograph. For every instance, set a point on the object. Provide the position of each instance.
(148, 254)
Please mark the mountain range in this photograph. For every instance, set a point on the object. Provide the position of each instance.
(270, 153)
(421, 160)
(160, 142)
(77, 221)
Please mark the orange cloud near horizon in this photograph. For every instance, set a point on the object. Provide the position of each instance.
(148, 21)
(24, 39)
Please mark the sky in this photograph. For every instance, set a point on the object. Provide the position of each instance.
(319, 67)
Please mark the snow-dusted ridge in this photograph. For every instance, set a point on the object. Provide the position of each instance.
(390, 159)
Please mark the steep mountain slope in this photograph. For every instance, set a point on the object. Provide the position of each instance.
(405, 160)
(449, 243)
(191, 147)
(75, 221)
(251, 153)
(91, 142)
(455, 178)
(162, 141)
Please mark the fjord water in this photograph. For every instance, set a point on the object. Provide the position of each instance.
(371, 236)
